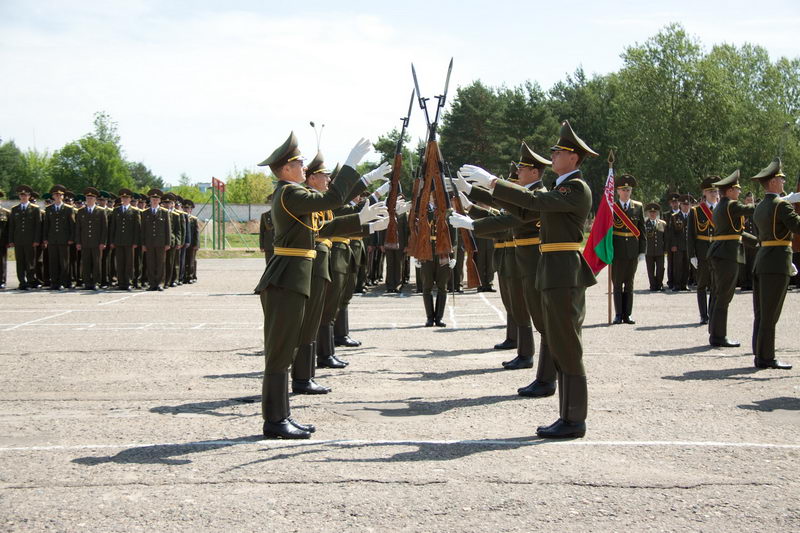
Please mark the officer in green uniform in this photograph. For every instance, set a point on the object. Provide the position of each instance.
(396, 256)
(674, 209)
(436, 271)
(701, 231)
(776, 220)
(746, 272)
(156, 239)
(190, 270)
(678, 241)
(4, 217)
(58, 234)
(24, 235)
(176, 240)
(654, 232)
(125, 229)
(629, 248)
(91, 236)
(563, 274)
(285, 285)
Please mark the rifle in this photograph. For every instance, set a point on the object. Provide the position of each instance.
(413, 213)
(470, 246)
(433, 181)
(392, 242)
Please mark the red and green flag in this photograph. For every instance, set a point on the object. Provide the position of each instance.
(599, 250)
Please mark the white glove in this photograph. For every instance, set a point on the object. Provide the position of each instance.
(641, 257)
(417, 262)
(370, 212)
(792, 198)
(461, 184)
(460, 221)
(451, 264)
(477, 175)
(379, 173)
(465, 203)
(382, 190)
(792, 270)
(694, 262)
(402, 207)
(362, 148)
(379, 225)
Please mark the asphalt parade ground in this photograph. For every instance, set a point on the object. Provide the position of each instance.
(140, 412)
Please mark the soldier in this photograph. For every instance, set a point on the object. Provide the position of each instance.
(701, 231)
(104, 203)
(42, 257)
(629, 248)
(746, 273)
(485, 262)
(5, 214)
(193, 244)
(91, 236)
(562, 275)
(776, 220)
(395, 256)
(24, 235)
(655, 231)
(285, 286)
(176, 240)
(58, 236)
(677, 242)
(266, 233)
(187, 240)
(674, 209)
(436, 271)
(125, 231)
(341, 325)
(156, 239)
(74, 253)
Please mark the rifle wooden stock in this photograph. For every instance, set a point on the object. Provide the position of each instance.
(422, 249)
(392, 240)
(413, 215)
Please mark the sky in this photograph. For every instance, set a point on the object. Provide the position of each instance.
(206, 87)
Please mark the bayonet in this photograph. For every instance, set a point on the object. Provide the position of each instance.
(422, 101)
(442, 97)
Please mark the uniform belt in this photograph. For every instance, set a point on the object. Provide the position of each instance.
(703, 237)
(356, 238)
(326, 242)
(731, 237)
(340, 239)
(623, 234)
(530, 241)
(506, 244)
(776, 243)
(560, 247)
(295, 252)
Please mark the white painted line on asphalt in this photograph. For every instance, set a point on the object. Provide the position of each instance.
(500, 313)
(62, 313)
(489, 443)
(121, 299)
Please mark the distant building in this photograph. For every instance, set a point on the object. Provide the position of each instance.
(203, 186)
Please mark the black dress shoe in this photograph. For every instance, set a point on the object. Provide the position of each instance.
(428, 323)
(308, 386)
(774, 363)
(303, 427)
(173, 284)
(160, 289)
(330, 362)
(22, 288)
(537, 389)
(724, 342)
(562, 430)
(437, 322)
(507, 344)
(518, 363)
(703, 320)
(345, 341)
(284, 429)
(340, 361)
(628, 320)
(617, 320)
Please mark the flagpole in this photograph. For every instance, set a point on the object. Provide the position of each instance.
(610, 288)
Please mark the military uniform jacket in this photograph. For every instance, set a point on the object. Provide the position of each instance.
(25, 226)
(701, 230)
(342, 258)
(5, 214)
(194, 231)
(505, 260)
(59, 224)
(776, 220)
(91, 229)
(729, 219)
(266, 234)
(342, 226)
(629, 247)
(187, 237)
(156, 228)
(654, 235)
(563, 213)
(176, 225)
(678, 231)
(125, 227)
(292, 209)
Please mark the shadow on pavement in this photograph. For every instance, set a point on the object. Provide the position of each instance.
(211, 407)
(742, 374)
(420, 407)
(783, 403)
(162, 454)
(678, 351)
(669, 326)
(232, 376)
(448, 353)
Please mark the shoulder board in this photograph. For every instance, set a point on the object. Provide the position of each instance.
(163, 209)
(180, 212)
(192, 217)
(636, 204)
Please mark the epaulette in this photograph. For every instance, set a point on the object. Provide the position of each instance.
(163, 209)
(192, 217)
(180, 212)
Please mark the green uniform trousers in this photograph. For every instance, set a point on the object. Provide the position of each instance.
(726, 275)
(58, 257)
(90, 265)
(434, 274)
(566, 309)
(546, 369)
(769, 291)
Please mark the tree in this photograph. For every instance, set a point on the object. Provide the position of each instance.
(11, 167)
(184, 180)
(247, 187)
(191, 193)
(36, 170)
(386, 145)
(143, 178)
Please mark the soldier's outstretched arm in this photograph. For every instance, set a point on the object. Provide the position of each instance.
(566, 198)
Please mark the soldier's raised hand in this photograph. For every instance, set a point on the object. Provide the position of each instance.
(477, 175)
(371, 212)
(465, 203)
(379, 225)
(362, 148)
(461, 184)
(379, 173)
(460, 221)
(402, 207)
(694, 262)
(792, 198)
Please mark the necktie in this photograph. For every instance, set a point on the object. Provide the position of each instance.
(154, 210)
(90, 210)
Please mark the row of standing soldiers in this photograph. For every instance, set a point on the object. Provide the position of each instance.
(99, 240)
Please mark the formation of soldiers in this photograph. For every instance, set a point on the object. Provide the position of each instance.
(99, 240)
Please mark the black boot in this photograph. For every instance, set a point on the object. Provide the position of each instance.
(441, 302)
(771, 363)
(277, 424)
(325, 349)
(511, 335)
(545, 383)
(572, 423)
(525, 350)
(627, 305)
(718, 330)
(702, 305)
(303, 372)
(617, 308)
(341, 330)
(427, 299)
(712, 301)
